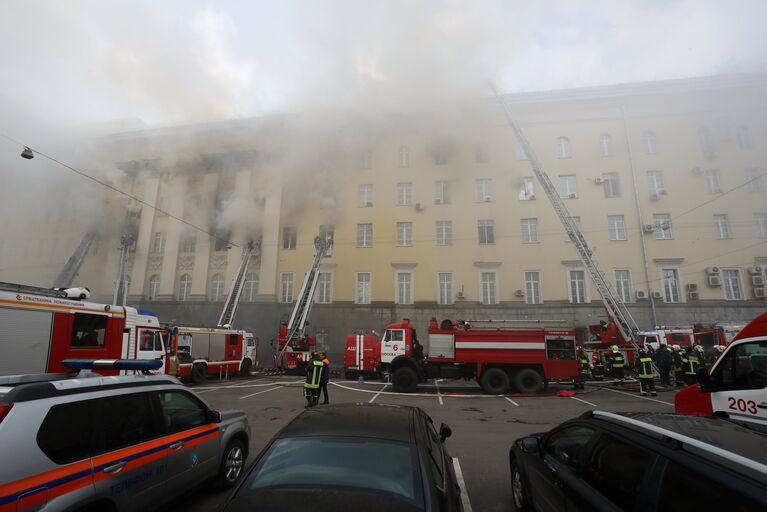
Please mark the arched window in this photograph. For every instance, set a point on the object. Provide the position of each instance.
(563, 148)
(606, 144)
(650, 143)
(250, 288)
(217, 287)
(404, 157)
(185, 287)
(154, 286)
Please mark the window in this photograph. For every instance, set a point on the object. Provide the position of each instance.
(184, 287)
(188, 242)
(217, 288)
(670, 282)
(617, 469)
(577, 286)
(126, 420)
(532, 287)
(150, 340)
(707, 144)
(623, 284)
(760, 219)
(327, 232)
(404, 194)
(744, 137)
(404, 234)
(181, 411)
(722, 227)
(363, 288)
(488, 291)
(364, 235)
(441, 192)
(577, 221)
(444, 232)
(662, 223)
(154, 286)
(606, 144)
(404, 288)
(88, 331)
(754, 180)
(568, 446)
(158, 247)
(445, 287)
(324, 288)
(526, 189)
(567, 186)
(286, 287)
(684, 488)
(289, 237)
(650, 143)
(486, 229)
(366, 160)
(67, 431)
(529, 231)
(656, 183)
(743, 368)
(250, 287)
(616, 226)
(483, 190)
(563, 148)
(611, 184)
(714, 182)
(365, 196)
(221, 241)
(403, 157)
(731, 284)
(435, 454)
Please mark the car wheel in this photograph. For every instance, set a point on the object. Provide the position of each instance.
(495, 381)
(404, 380)
(245, 368)
(82, 296)
(528, 380)
(198, 373)
(232, 464)
(518, 497)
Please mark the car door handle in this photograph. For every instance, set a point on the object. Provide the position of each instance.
(177, 446)
(115, 468)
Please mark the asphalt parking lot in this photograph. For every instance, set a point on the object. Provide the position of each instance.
(483, 425)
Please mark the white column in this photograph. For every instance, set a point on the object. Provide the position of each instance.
(143, 242)
(270, 244)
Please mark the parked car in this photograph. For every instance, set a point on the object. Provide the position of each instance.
(81, 442)
(640, 462)
(353, 457)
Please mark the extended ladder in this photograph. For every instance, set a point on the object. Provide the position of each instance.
(73, 264)
(32, 290)
(235, 292)
(300, 315)
(614, 305)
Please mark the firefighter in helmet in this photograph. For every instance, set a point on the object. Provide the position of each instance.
(677, 364)
(599, 365)
(583, 361)
(690, 363)
(314, 371)
(644, 372)
(617, 364)
(664, 359)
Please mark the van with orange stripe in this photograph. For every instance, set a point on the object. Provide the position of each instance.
(83, 441)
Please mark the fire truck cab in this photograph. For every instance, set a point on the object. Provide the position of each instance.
(735, 386)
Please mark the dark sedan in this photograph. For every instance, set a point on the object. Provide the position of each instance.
(353, 457)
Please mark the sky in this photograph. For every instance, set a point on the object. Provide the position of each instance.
(90, 63)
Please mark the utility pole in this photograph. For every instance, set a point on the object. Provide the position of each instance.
(121, 288)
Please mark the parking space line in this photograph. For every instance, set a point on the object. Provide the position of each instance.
(462, 484)
(439, 395)
(637, 396)
(584, 401)
(259, 392)
(512, 401)
(376, 395)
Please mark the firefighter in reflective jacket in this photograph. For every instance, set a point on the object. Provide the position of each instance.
(617, 362)
(583, 361)
(690, 362)
(644, 371)
(676, 360)
(599, 366)
(314, 371)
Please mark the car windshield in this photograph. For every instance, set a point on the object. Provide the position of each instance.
(358, 463)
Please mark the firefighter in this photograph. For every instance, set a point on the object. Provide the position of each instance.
(664, 359)
(691, 363)
(325, 377)
(583, 361)
(313, 378)
(599, 366)
(700, 352)
(617, 363)
(677, 363)
(644, 371)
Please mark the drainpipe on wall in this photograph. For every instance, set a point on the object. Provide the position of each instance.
(639, 217)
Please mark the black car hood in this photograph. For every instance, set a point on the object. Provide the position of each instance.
(317, 500)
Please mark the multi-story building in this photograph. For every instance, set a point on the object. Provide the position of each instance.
(441, 216)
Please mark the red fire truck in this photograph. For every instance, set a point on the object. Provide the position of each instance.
(362, 355)
(736, 384)
(219, 352)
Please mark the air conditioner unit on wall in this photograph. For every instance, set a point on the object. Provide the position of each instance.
(599, 180)
(571, 196)
(418, 207)
(696, 171)
(649, 228)
(663, 192)
(519, 293)
(438, 201)
(641, 294)
(459, 296)
(714, 281)
(760, 293)
(693, 296)
(692, 287)
(757, 281)
(531, 197)
(657, 295)
(756, 269)
(712, 270)
(654, 197)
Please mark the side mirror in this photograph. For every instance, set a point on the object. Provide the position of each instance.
(444, 432)
(530, 445)
(214, 416)
(705, 382)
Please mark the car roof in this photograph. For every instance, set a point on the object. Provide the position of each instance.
(390, 422)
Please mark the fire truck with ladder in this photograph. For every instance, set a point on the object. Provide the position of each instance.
(295, 345)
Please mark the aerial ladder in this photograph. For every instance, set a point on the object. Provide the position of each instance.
(292, 335)
(235, 292)
(616, 309)
(73, 264)
(33, 290)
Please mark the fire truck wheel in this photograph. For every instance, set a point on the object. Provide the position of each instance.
(245, 368)
(198, 373)
(528, 380)
(495, 381)
(231, 464)
(405, 380)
